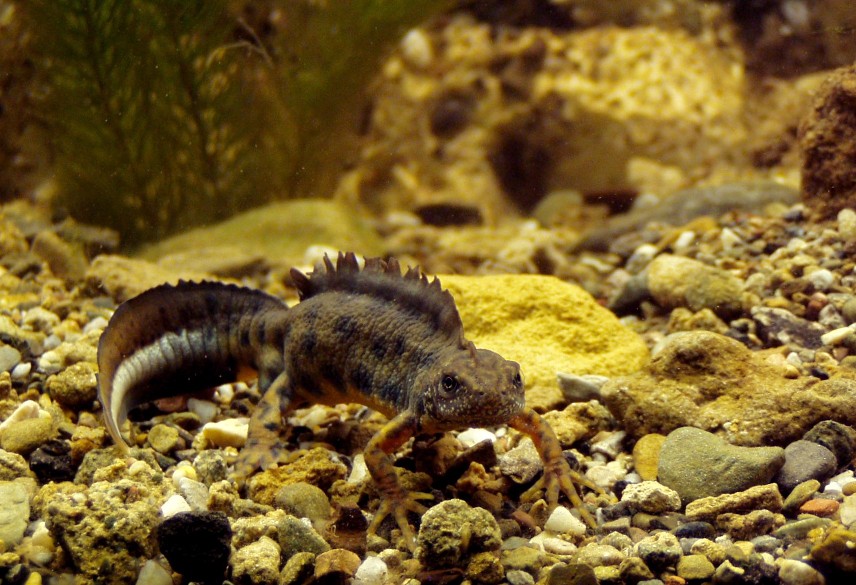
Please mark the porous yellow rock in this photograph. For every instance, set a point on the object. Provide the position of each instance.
(546, 325)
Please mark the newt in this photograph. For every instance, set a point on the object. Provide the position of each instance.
(391, 341)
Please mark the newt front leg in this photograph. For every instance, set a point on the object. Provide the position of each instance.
(558, 475)
(395, 499)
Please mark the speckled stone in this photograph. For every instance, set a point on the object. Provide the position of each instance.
(74, 387)
(163, 438)
(659, 551)
(196, 544)
(295, 535)
(257, 562)
(24, 436)
(14, 512)
(651, 497)
(793, 572)
(698, 464)
(452, 531)
(677, 281)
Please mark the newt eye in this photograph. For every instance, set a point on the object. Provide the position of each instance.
(450, 384)
(517, 381)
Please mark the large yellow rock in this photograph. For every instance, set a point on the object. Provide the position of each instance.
(546, 325)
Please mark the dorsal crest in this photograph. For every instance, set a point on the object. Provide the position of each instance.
(383, 279)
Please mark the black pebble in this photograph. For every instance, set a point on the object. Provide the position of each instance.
(196, 544)
(52, 462)
(695, 529)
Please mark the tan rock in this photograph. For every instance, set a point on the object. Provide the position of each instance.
(762, 497)
(705, 380)
(123, 278)
(546, 325)
(646, 455)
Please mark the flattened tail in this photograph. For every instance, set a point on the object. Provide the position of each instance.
(174, 340)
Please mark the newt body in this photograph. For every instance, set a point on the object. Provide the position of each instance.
(373, 336)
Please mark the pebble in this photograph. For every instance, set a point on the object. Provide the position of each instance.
(164, 438)
(847, 511)
(230, 432)
(304, 500)
(452, 531)
(562, 521)
(820, 507)
(152, 573)
(174, 505)
(521, 463)
(838, 549)
(805, 460)
(677, 281)
(793, 572)
(695, 568)
(695, 529)
(296, 536)
(659, 551)
(799, 495)
(652, 497)
(195, 493)
(727, 468)
(26, 410)
(196, 544)
(580, 388)
(9, 357)
(781, 327)
(204, 409)
(21, 371)
(471, 437)
(646, 455)
(372, 571)
(847, 224)
(14, 512)
(762, 497)
(257, 562)
(27, 435)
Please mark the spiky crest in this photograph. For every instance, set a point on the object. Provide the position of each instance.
(383, 279)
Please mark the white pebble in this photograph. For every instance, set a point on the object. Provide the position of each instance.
(224, 393)
(836, 336)
(472, 437)
(822, 279)
(52, 341)
(184, 470)
(174, 505)
(359, 470)
(553, 545)
(26, 410)
(50, 362)
(847, 511)
(792, 572)
(195, 493)
(683, 242)
(97, 324)
(21, 371)
(652, 497)
(417, 49)
(563, 521)
(372, 571)
(204, 409)
(610, 445)
(153, 574)
(230, 432)
(729, 239)
(847, 224)
(641, 257)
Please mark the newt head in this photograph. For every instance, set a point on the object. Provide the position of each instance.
(472, 387)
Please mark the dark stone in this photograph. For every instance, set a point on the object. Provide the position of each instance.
(835, 436)
(696, 529)
(805, 460)
(196, 544)
(52, 462)
(449, 214)
(781, 327)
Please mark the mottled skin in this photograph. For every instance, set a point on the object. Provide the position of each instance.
(394, 343)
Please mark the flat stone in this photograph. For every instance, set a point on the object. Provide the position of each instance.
(706, 380)
(762, 497)
(698, 464)
(14, 513)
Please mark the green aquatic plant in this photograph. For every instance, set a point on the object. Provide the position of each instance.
(162, 115)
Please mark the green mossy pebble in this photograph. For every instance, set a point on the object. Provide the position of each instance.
(695, 567)
(295, 536)
(452, 531)
(800, 495)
